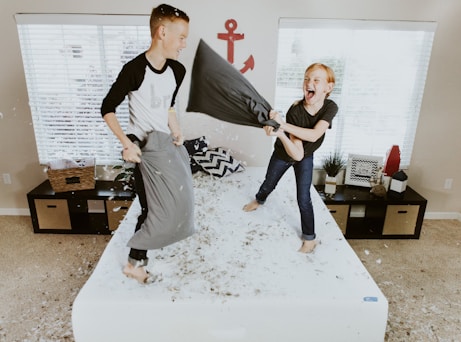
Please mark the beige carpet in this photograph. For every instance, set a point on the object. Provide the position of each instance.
(42, 274)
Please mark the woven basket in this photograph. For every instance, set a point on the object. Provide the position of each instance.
(71, 179)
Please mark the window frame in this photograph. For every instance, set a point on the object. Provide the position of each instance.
(61, 131)
(340, 126)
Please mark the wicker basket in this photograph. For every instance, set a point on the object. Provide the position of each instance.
(73, 178)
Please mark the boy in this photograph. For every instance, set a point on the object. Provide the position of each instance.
(153, 140)
(303, 132)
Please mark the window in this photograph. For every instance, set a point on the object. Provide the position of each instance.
(70, 62)
(380, 70)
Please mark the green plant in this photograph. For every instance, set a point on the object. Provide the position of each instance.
(126, 173)
(333, 163)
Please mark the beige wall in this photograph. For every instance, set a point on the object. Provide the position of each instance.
(436, 152)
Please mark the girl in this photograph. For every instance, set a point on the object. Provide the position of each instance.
(303, 132)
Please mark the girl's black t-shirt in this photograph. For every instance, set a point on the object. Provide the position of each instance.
(297, 115)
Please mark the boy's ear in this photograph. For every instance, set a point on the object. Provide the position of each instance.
(160, 33)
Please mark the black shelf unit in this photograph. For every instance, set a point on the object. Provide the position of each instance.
(362, 215)
(95, 211)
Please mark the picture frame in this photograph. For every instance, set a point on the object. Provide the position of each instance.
(360, 168)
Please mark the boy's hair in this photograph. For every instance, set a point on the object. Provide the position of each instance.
(330, 73)
(165, 12)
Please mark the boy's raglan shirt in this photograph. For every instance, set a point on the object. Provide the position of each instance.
(150, 92)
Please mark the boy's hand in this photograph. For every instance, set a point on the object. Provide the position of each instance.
(178, 139)
(132, 153)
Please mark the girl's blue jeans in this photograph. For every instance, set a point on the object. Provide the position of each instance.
(303, 173)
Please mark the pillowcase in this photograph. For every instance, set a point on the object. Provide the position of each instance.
(194, 146)
(217, 162)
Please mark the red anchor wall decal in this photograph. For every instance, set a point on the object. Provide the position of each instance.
(231, 37)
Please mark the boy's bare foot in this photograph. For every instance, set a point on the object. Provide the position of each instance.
(138, 273)
(253, 205)
(308, 246)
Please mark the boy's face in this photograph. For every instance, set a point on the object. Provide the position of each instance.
(174, 34)
(316, 86)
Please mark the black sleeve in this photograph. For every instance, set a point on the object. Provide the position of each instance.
(331, 108)
(129, 79)
(179, 72)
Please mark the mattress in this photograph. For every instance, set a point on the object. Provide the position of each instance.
(238, 278)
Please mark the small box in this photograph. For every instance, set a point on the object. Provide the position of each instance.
(398, 182)
(116, 211)
(398, 186)
(52, 214)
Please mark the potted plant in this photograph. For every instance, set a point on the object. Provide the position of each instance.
(125, 175)
(332, 164)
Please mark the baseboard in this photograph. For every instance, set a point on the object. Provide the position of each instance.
(442, 216)
(427, 215)
(14, 212)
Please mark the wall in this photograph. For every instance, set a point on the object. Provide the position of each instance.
(435, 157)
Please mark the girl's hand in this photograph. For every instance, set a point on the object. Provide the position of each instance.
(275, 116)
(271, 132)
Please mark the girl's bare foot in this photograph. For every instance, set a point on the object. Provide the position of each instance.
(308, 246)
(138, 273)
(253, 205)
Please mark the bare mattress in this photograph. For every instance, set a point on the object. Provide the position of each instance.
(238, 278)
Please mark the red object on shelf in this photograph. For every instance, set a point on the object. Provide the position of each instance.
(392, 163)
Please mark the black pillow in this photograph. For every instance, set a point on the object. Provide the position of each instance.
(196, 145)
(193, 146)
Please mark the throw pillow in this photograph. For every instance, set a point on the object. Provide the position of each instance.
(217, 162)
(193, 146)
(196, 145)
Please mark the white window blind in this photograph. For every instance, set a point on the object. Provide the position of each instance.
(70, 62)
(380, 69)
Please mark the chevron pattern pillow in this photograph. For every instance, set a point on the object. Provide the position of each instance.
(217, 162)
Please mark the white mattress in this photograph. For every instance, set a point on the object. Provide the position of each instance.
(239, 278)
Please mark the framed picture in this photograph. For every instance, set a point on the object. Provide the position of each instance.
(361, 168)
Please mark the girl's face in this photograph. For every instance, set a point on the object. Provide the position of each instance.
(316, 86)
(174, 38)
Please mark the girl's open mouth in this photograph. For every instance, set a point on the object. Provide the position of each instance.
(310, 94)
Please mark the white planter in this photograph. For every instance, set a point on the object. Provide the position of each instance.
(330, 185)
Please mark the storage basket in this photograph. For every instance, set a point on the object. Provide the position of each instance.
(69, 175)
